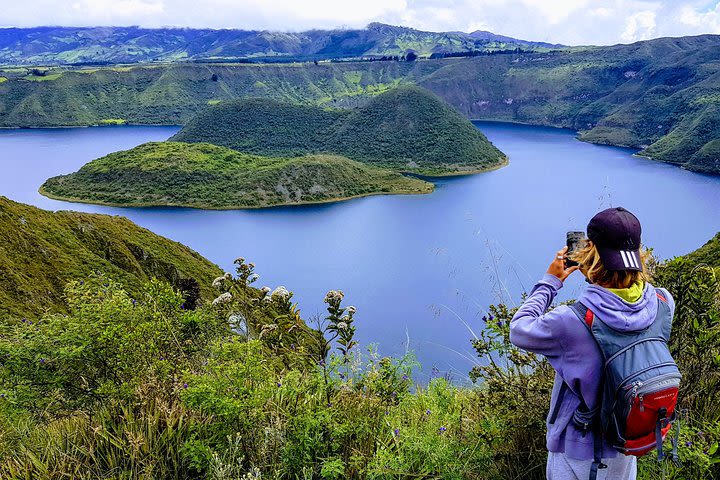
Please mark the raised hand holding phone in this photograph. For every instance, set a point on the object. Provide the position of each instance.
(558, 268)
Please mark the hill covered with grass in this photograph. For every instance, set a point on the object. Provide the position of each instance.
(202, 175)
(41, 251)
(406, 128)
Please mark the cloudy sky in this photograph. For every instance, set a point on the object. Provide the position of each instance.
(570, 22)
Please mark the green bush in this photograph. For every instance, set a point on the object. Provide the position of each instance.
(108, 347)
(242, 388)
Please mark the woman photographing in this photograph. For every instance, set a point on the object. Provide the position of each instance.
(615, 386)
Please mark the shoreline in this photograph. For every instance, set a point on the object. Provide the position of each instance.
(95, 126)
(52, 196)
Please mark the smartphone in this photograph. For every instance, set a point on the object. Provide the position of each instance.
(574, 241)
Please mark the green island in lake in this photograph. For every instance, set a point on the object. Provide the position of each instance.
(254, 153)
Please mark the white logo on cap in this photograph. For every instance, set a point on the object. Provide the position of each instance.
(630, 259)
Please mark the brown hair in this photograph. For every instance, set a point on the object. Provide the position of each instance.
(592, 267)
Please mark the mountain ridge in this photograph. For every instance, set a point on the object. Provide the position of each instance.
(59, 45)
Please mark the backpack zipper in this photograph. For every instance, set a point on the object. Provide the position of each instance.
(659, 365)
(636, 388)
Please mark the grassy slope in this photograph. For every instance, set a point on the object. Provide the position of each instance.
(414, 129)
(41, 251)
(207, 176)
(406, 127)
(263, 127)
(707, 159)
(708, 254)
(663, 93)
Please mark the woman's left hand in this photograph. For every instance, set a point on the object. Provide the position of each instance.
(557, 267)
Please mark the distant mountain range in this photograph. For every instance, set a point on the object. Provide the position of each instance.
(83, 45)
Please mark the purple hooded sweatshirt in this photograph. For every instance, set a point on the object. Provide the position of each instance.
(565, 341)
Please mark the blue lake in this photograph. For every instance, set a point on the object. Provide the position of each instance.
(418, 268)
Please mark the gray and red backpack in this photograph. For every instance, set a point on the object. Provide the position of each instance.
(639, 386)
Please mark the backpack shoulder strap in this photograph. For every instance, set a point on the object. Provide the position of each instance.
(664, 313)
(583, 313)
(584, 418)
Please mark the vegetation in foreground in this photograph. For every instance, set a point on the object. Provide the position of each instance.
(406, 128)
(202, 175)
(139, 387)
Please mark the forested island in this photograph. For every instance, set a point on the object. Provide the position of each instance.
(262, 152)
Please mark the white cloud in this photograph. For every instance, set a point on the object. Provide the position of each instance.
(601, 12)
(556, 11)
(571, 22)
(639, 26)
(707, 21)
(118, 9)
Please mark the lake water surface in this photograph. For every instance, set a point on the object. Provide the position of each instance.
(416, 267)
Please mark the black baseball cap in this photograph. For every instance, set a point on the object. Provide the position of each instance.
(616, 234)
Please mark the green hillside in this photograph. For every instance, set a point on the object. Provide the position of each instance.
(707, 159)
(263, 127)
(207, 176)
(415, 130)
(407, 128)
(41, 251)
(659, 95)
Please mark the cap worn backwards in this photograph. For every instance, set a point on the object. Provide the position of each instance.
(616, 234)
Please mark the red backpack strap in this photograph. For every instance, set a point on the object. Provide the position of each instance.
(589, 317)
(583, 313)
(661, 296)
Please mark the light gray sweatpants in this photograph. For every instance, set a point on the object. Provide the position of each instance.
(561, 467)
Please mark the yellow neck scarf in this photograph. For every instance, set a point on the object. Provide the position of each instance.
(631, 294)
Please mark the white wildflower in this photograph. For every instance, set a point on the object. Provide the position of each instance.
(270, 327)
(218, 282)
(334, 297)
(342, 325)
(351, 310)
(228, 276)
(281, 293)
(239, 260)
(265, 290)
(223, 298)
(253, 278)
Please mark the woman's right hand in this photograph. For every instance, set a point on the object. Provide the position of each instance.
(557, 267)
